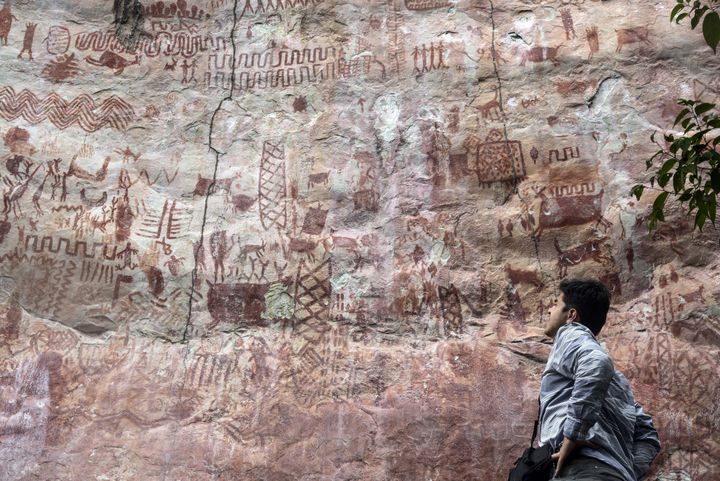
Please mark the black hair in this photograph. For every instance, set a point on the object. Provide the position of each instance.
(590, 298)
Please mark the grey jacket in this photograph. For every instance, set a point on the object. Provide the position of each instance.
(583, 397)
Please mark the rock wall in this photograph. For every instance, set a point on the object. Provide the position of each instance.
(334, 261)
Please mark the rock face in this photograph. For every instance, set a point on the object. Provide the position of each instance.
(334, 262)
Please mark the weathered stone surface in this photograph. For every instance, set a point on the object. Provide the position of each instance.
(335, 263)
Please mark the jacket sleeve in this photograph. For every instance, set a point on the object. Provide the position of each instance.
(593, 370)
(646, 443)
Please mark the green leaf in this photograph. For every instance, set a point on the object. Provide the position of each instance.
(697, 137)
(676, 10)
(677, 181)
(696, 19)
(703, 107)
(663, 179)
(669, 164)
(680, 17)
(711, 30)
(637, 191)
(686, 196)
(652, 223)
(681, 116)
(659, 204)
(699, 199)
(681, 144)
(700, 218)
(715, 179)
(706, 155)
(712, 208)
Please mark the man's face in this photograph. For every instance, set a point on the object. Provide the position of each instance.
(558, 316)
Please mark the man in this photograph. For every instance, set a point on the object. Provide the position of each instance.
(587, 410)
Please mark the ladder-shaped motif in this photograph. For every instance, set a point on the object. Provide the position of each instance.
(451, 309)
(312, 292)
(271, 187)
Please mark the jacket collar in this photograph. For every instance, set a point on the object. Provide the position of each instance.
(577, 325)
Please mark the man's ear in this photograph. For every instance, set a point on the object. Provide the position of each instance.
(572, 315)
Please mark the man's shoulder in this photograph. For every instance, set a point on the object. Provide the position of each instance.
(575, 332)
(575, 339)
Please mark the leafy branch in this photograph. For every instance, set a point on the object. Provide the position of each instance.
(690, 162)
(690, 165)
(696, 10)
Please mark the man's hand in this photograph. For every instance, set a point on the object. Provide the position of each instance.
(568, 446)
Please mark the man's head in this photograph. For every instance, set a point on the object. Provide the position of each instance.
(585, 301)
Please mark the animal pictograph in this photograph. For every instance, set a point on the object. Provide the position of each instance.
(588, 250)
(626, 36)
(113, 61)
